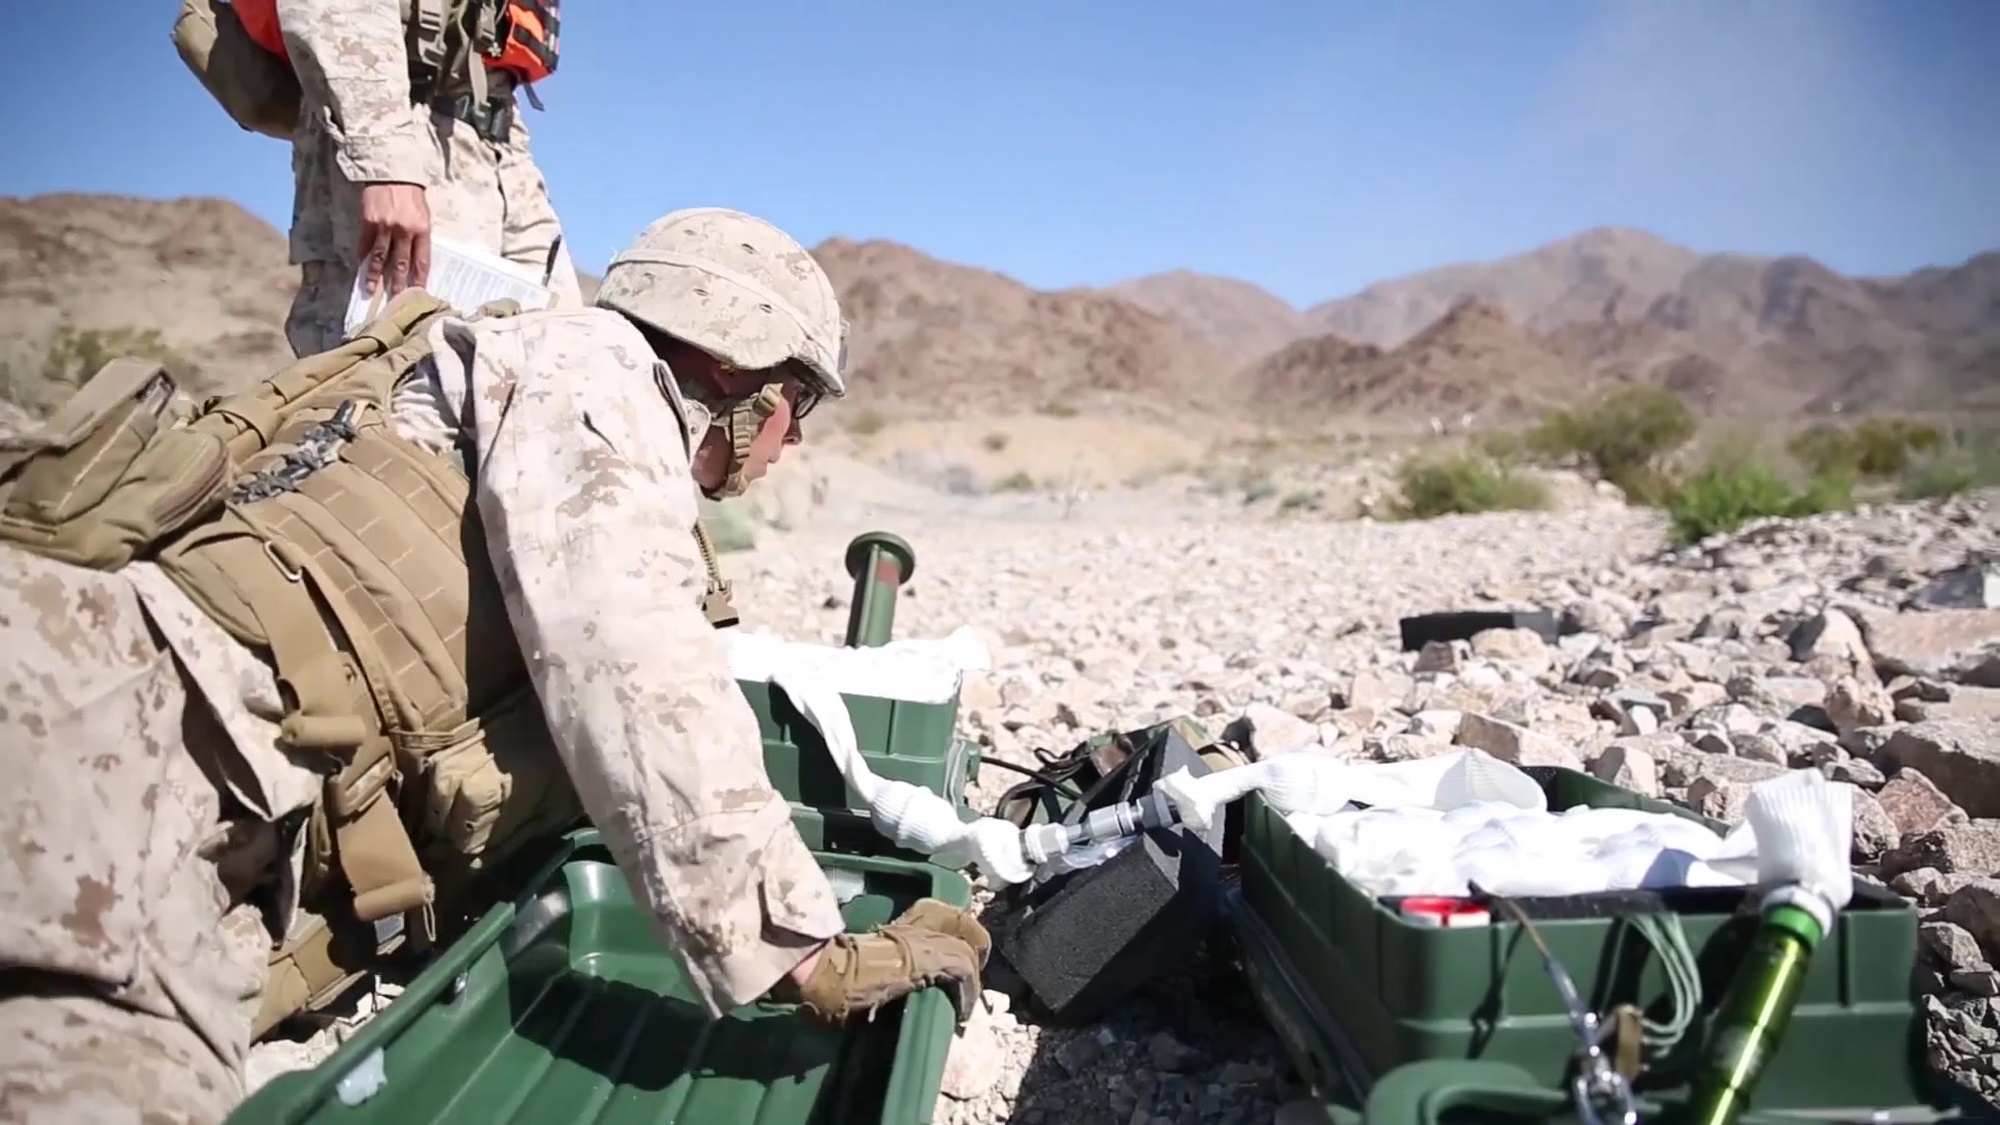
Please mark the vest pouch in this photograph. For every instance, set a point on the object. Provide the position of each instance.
(313, 967)
(255, 87)
(111, 473)
(498, 786)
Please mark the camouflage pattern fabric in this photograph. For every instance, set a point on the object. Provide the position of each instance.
(136, 970)
(764, 302)
(359, 127)
(587, 499)
(140, 827)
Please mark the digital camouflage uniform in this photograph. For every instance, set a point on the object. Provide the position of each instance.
(126, 847)
(359, 127)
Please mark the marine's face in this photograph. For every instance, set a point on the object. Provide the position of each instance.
(713, 459)
(778, 431)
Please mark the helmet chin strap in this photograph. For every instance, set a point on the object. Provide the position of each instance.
(741, 421)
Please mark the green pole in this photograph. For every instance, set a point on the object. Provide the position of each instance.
(879, 563)
(1750, 1020)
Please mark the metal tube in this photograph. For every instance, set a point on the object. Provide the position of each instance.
(1751, 1018)
(879, 563)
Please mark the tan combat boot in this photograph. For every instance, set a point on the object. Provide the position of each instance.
(859, 973)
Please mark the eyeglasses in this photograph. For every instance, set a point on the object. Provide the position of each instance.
(805, 398)
(804, 401)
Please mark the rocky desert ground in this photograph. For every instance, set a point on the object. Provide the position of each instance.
(1866, 645)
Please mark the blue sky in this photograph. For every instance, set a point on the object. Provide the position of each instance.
(1310, 147)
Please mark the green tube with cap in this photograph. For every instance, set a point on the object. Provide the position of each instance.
(880, 563)
(1751, 1019)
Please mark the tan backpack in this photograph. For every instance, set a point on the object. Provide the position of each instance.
(122, 466)
(391, 646)
(255, 87)
(111, 472)
(259, 90)
(422, 789)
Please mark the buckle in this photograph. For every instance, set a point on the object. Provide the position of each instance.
(491, 120)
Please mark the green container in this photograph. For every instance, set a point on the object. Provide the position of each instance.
(907, 741)
(563, 1007)
(1355, 992)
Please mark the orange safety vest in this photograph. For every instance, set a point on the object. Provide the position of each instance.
(528, 33)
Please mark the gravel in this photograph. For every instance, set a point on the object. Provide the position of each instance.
(1859, 644)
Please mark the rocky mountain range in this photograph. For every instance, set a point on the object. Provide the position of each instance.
(1727, 330)
(1499, 338)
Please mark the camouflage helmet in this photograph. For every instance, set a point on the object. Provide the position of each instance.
(734, 286)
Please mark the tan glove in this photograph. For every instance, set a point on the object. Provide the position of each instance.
(940, 917)
(860, 973)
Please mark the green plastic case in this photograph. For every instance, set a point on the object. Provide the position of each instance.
(1355, 992)
(562, 1008)
(907, 741)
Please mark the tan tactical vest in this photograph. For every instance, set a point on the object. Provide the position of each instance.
(353, 561)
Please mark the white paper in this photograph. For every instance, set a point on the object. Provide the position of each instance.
(465, 276)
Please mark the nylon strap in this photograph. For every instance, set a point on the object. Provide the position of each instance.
(716, 602)
(370, 842)
(427, 44)
(305, 975)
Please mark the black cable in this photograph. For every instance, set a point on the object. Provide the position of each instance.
(1038, 775)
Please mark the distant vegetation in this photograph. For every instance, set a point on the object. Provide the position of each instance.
(1968, 458)
(1875, 449)
(1734, 486)
(1446, 484)
(1644, 440)
(72, 356)
(1625, 437)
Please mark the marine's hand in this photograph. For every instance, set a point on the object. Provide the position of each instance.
(943, 918)
(855, 974)
(395, 236)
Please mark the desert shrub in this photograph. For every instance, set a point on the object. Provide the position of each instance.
(729, 528)
(1056, 408)
(865, 422)
(1504, 447)
(1876, 448)
(1296, 501)
(1014, 482)
(1439, 485)
(1967, 460)
(1625, 437)
(995, 441)
(1735, 486)
(73, 355)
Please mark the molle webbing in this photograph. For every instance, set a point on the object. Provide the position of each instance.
(354, 559)
(356, 579)
(341, 553)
